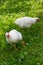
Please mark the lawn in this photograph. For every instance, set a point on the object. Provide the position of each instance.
(32, 54)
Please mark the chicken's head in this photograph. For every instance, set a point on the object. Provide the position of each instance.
(38, 19)
(7, 35)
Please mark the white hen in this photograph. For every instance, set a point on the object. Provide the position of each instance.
(13, 36)
(26, 21)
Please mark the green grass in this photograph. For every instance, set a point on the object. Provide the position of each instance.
(32, 54)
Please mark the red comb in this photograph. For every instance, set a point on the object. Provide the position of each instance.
(8, 36)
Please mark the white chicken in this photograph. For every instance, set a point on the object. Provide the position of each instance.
(24, 22)
(13, 36)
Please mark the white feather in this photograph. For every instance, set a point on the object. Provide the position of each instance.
(25, 21)
(15, 36)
